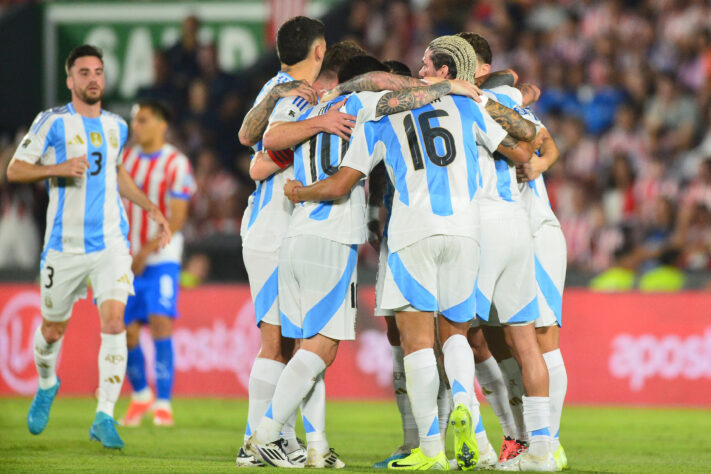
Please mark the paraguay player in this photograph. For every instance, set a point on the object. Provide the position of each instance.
(77, 149)
(165, 175)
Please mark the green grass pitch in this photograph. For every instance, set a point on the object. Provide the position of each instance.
(208, 433)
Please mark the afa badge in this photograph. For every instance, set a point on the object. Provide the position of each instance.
(113, 138)
(96, 139)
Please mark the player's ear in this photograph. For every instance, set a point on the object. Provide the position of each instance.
(70, 82)
(485, 69)
(319, 51)
(443, 72)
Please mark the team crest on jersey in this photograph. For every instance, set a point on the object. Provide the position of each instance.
(113, 138)
(96, 139)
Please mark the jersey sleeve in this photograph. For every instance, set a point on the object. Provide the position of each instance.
(288, 109)
(491, 135)
(362, 155)
(369, 102)
(41, 136)
(507, 95)
(182, 183)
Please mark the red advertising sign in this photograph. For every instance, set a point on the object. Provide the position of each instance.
(618, 348)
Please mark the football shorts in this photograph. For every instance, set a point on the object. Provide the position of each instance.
(437, 273)
(262, 270)
(64, 279)
(317, 288)
(551, 262)
(156, 293)
(380, 280)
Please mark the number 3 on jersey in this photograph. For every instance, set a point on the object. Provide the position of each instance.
(429, 135)
(97, 161)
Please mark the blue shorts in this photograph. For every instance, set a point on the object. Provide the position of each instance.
(156, 293)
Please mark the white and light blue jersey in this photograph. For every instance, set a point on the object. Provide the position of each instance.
(84, 214)
(534, 193)
(268, 211)
(432, 158)
(498, 172)
(342, 220)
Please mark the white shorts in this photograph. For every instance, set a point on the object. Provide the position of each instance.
(380, 280)
(63, 279)
(317, 288)
(507, 272)
(437, 273)
(262, 271)
(551, 262)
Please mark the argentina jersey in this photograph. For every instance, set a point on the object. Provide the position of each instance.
(431, 155)
(84, 214)
(499, 173)
(342, 220)
(267, 215)
(534, 193)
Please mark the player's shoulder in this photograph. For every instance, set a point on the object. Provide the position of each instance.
(46, 118)
(505, 95)
(170, 149)
(114, 117)
(279, 78)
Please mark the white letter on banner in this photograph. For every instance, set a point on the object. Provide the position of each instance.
(138, 63)
(105, 38)
(236, 48)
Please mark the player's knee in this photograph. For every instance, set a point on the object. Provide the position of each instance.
(113, 326)
(132, 335)
(416, 342)
(161, 327)
(52, 332)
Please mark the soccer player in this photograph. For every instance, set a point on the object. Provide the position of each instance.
(77, 149)
(318, 260)
(301, 47)
(165, 175)
(432, 237)
(551, 262)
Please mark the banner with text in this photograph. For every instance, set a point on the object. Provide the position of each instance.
(618, 349)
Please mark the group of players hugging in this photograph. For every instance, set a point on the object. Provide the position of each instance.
(472, 258)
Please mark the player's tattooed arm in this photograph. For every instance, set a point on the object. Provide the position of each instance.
(375, 82)
(507, 77)
(529, 93)
(518, 127)
(257, 119)
(413, 97)
(516, 150)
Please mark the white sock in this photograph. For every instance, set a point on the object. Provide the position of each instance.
(409, 427)
(536, 415)
(313, 412)
(294, 384)
(288, 431)
(113, 355)
(46, 359)
(492, 384)
(262, 382)
(557, 386)
(514, 384)
(444, 408)
(459, 366)
(422, 387)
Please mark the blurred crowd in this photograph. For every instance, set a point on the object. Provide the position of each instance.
(626, 94)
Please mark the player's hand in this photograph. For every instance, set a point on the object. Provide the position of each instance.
(374, 235)
(299, 88)
(529, 171)
(538, 139)
(290, 190)
(139, 263)
(164, 232)
(330, 94)
(73, 167)
(337, 122)
(465, 88)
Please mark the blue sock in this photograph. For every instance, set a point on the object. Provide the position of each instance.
(164, 368)
(136, 369)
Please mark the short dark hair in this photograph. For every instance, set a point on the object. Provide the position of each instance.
(80, 52)
(295, 37)
(338, 54)
(360, 65)
(440, 59)
(480, 45)
(396, 67)
(159, 108)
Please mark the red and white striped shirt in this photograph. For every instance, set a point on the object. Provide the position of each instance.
(163, 175)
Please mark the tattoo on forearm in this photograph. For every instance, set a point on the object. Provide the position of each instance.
(499, 78)
(411, 98)
(378, 81)
(512, 122)
(256, 121)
